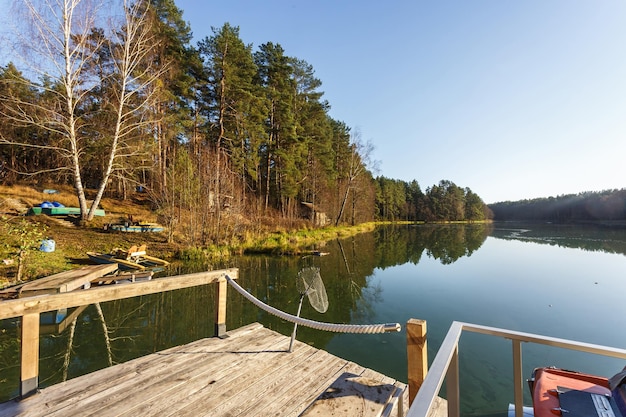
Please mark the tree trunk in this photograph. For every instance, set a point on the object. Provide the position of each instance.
(20, 265)
(343, 205)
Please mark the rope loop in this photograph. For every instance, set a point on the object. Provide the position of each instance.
(329, 327)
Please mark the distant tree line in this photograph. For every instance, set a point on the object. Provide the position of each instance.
(400, 200)
(215, 132)
(586, 206)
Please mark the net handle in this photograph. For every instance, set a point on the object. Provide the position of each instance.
(329, 327)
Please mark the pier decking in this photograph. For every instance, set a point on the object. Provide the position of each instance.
(249, 373)
(62, 282)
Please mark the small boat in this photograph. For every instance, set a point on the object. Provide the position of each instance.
(59, 211)
(132, 259)
(137, 228)
(575, 394)
(110, 258)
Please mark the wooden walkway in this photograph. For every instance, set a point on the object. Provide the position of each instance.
(62, 282)
(250, 373)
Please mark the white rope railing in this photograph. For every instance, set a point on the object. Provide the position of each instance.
(329, 327)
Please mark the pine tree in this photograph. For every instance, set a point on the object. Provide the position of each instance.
(275, 76)
(171, 58)
(232, 105)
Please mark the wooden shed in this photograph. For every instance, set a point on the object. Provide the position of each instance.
(310, 211)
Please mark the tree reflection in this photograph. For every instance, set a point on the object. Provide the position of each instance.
(97, 336)
(397, 245)
(594, 238)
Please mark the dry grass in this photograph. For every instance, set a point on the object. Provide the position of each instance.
(266, 234)
(115, 209)
(73, 243)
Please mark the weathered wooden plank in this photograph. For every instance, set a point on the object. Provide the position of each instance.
(41, 303)
(204, 371)
(251, 385)
(159, 379)
(352, 394)
(216, 386)
(398, 396)
(395, 405)
(231, 387)
(281, 391)
(68, 280)
(92, 387)
(306, 393)
(248, 373)
(350, 367)
(372, 374)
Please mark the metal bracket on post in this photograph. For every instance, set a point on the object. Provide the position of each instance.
(220, 330)
(29, 387)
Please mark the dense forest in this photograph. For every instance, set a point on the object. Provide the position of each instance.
(609, 205)
(446, 201)
(217, 134)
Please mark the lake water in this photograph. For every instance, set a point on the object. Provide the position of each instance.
(560, 281)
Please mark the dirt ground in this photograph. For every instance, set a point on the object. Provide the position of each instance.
(71, 242)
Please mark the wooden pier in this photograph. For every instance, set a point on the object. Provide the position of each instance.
(242, 372)
(66, 281)
(248, 373)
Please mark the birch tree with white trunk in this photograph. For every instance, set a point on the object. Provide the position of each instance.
(54, 44)
(358, 162)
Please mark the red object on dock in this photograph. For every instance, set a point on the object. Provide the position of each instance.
(548, 386)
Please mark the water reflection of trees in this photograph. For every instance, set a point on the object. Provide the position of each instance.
(273, 280)
(117, 331)
(9, 359)
(397, 245)
(594, 238)
(121, 330)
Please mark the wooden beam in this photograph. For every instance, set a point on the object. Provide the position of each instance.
(29, 352)
(67, 280)
(59, 328)
(38, 304)
(417, 355)
(220, 308)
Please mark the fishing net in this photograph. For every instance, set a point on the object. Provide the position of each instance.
(310, 282)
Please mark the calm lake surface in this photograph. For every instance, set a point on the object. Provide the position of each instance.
(561, 281)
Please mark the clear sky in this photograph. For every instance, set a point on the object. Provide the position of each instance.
(513, 99)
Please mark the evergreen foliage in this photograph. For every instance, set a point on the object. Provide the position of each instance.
(587, 206)
(246, 131)
(399, 200)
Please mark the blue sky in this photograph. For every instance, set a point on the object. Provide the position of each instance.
(513, 99)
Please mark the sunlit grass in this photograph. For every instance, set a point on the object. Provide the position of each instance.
(300, 241)
(265, 236)
(115, 210)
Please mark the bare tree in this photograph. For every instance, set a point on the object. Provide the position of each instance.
(359, 161)
(57, 44)
(130, 46)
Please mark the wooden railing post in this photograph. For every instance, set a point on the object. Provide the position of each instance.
(417, 355)
(220, 308)
(29, 352)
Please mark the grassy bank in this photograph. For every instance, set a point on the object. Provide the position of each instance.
(277, 243)
(72, 243)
